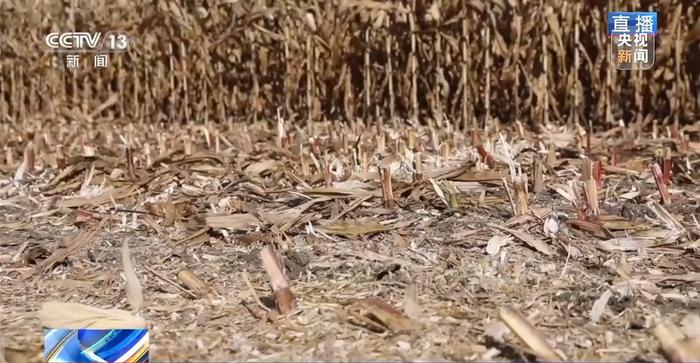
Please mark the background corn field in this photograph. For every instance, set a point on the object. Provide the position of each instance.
(464, 62)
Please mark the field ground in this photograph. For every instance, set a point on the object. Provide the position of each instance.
(451, 252)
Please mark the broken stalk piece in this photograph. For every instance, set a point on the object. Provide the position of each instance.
(521, 195)
(29, 157)
(667, 166)
(280, 283)
(387, 189)
(130, 164)
(590, 187)
(598, 173)
(538, 176)
(551, 155)
(486, 158)
(418, 161)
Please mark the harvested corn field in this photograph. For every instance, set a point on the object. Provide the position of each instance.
(354, 180)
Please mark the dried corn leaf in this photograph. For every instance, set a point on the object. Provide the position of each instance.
(627, 244)
(262, 167)
(58, 315)
(70, 245)
(529, 239)
(105, 197)
(231, 221)
(354, 189)
(351, 229)
(494, 244)
(479, 176)
(377, 315)
(599, 306)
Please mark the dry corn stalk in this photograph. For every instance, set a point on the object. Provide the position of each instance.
(387, 189)
(521, 195)
(418, 161)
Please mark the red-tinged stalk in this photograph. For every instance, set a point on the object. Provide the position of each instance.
(316, 147)
(130, 163)
(588, 139)
(486, 158)
(279, 281)
(60, 156)
(675, 134)
(599, 174)
(327, 176)
(667, 168)
(660, 184)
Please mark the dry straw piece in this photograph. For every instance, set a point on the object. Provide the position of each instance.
(133, 287)
(528, 334)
